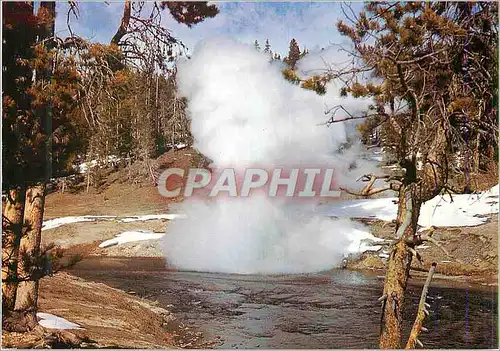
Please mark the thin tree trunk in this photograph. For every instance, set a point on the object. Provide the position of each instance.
(88, 178)
(27, 292)
(12, 223)
(475, 156)
(421, 313)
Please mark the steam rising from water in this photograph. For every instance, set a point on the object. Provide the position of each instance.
(245, 114)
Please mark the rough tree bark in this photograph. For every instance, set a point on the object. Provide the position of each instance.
(27, 291)
(416, 189)
(398, 269)
(35, 195)
(12, 224)
(476, 154)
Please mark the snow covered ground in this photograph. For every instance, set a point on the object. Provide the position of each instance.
(48, 320)
(84, 166)
(442, 211)
(57, 222)
(358, 239)
(168, 216)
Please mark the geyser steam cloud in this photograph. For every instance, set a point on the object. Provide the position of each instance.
(244, 114)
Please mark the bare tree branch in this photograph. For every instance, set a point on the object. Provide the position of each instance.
(421, 313)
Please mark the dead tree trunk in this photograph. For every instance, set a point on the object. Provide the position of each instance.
(12, 224)
(27, 292)
(125, 21)
(88, 178)
(416, 189)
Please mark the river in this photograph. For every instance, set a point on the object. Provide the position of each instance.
(333, 309)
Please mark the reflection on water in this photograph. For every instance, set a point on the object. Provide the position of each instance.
(335, 309)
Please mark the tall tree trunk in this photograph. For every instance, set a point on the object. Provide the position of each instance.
(12, 224)
(35, 195)
(27, 292)
(398, 269)
(417, 189)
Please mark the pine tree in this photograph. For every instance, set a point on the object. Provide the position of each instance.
(37, 132)
(29, 250)
(267, 47)
(256, 45)
(422, 54)
(41, 85)
(294, 54)
(19, 36)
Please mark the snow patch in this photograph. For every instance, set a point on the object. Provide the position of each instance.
(442, 211)
(57, 222)
(131, 236)
(359, 241)
(168, 216)
(84, 166)
(48, 320)
(383, 208)
(459, 210)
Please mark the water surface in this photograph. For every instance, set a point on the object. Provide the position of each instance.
(334, 309)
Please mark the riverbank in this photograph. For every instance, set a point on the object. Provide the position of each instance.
(471, 253)
(107, 317)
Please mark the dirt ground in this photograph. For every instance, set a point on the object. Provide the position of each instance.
(86, 232)
(122, 194)
(110, 318)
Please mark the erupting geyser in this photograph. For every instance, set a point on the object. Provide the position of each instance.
(243, 114)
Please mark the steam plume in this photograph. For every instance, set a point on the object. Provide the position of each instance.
(243, 113)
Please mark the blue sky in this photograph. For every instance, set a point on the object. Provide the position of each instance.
(311, 23)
